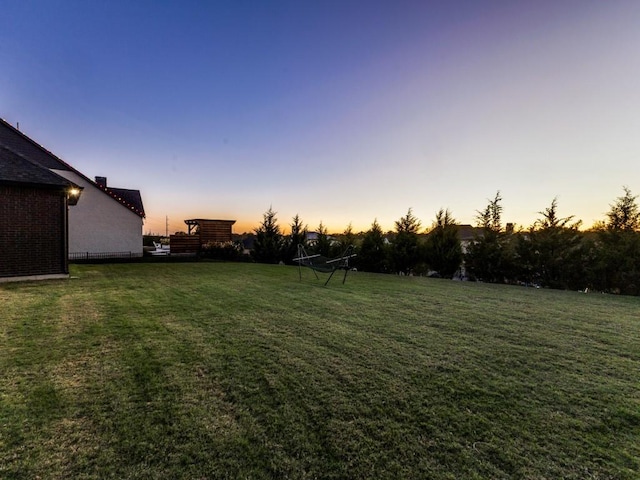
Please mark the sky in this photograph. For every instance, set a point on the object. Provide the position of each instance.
(343, 112)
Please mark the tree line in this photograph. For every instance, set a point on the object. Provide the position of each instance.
(553, 252)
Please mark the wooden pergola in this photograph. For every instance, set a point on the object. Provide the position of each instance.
(201, 231)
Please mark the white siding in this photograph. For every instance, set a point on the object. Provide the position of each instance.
(100, 224)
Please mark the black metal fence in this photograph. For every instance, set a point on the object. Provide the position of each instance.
(75, 256)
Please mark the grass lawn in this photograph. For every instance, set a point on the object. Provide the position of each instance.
(220, 370)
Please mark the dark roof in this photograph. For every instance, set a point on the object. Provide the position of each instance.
(16, 141)
(468, 232)
(130, 198)
(200, 220)
(17, 170)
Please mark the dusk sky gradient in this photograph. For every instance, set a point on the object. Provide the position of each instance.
(339, 111)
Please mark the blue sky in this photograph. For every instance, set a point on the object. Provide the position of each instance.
(340, 111)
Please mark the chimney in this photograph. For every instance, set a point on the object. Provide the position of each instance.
(102, 181)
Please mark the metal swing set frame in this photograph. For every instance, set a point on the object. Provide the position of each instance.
(318, 263)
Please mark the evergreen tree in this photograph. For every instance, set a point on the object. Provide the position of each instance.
(553, 251)
(267, 247)
(345, 239)
(442, 247)
(297, 237)
(617, 250)
(488, 257)
(491, 217)
(323, 242)
(405, 254)
(372, 254)
(348, 237)
(624, 214)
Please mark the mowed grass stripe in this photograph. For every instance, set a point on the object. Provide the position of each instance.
(220, 370)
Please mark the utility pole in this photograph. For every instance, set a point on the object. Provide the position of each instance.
(166, 226)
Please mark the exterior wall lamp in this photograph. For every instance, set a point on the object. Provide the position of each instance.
(73, 194)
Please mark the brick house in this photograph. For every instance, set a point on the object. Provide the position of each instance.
(106, 223)
(33, 219)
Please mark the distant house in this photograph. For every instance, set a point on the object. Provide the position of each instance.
(311, 239)
(247, 244)
(107, 222)
(33, 219)
(467, 234)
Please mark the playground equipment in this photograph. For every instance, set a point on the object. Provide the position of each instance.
(319, 263)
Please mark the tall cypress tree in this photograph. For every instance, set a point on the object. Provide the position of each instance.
(617, 266)
(442, 247)
(297, 237)
(554, 256)
(624, 214)
(404, 251)
(267, 247)
(373, 252)
(323, 243)
(487, 257)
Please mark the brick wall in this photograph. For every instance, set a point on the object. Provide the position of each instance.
(32, 231)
